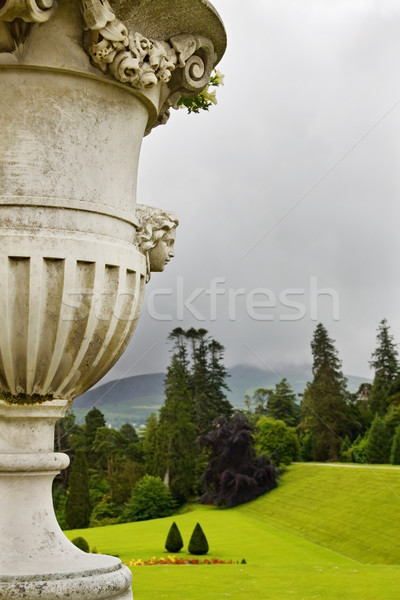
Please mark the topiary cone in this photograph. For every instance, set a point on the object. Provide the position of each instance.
(198, 542)
(174, 541)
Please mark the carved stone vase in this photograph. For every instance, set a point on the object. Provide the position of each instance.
(81, 83)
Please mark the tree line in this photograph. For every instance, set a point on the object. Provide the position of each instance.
(199, 447)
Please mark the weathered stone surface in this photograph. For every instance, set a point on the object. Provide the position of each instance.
(81, 83)
(36, 559)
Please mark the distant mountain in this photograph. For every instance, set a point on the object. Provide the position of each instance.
(129, 400)
(133, 399)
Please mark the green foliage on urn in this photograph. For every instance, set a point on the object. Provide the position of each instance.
(174, 541)
(205, 99)
(198, 542)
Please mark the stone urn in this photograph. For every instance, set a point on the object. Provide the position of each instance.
(82, 82)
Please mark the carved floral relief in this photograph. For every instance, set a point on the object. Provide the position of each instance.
(131, 58)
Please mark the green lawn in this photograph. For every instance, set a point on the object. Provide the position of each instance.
(352, 510)
(281, 537)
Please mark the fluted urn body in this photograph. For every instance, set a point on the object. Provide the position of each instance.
(81, 82)
(72, 279)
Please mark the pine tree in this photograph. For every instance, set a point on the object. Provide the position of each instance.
(194, 397)
(217, 386)
(151, 454)
(176, 432)
(77, 508)
(378, 442)
(93, 420)
(207, 380)
(198, 542)
(282, 404)
(324, 401)
(174, 541)
(385, 362)
(395, 449)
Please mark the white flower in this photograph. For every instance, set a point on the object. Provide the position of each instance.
(210, 96)
(218, 78)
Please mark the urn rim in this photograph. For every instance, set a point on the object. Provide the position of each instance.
(165, 19)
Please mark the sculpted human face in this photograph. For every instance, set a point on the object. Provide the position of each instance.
(162, 252)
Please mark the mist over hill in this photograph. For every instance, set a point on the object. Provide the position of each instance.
(133, 399)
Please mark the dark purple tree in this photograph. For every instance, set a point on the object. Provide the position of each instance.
(234, 473)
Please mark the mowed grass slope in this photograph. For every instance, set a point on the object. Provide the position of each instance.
(282, 562)
(352, 510)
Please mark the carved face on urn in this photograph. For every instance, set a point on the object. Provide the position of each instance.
(162, 252)
(156, 235)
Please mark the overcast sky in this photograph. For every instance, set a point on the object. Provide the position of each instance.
(288, 191)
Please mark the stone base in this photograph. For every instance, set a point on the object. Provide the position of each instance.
(92, 585)
(37, 561)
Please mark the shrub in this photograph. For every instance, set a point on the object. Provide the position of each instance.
(174, 541)
(345, 450)
(278, 440)
(198, 542)
(151, 499)
(234, 473)
(105, 512)
(81, 543)
(358, 450)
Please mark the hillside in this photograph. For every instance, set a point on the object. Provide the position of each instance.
(350, 509)
(133, 399)
(325, 533)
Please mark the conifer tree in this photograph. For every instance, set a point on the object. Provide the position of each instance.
(207, 380)
(324, 401)
(151, 454)
(385, 362)
(282, 404)
(395, 449)
(94, 419)
(174, 541)
(176, 432)
(198, 542)
(217, 374)
(77, 508)
(378, 442)
(195, 395)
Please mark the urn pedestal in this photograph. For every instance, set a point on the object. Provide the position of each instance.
(81, 83)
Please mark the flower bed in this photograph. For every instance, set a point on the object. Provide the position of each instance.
(174, 560)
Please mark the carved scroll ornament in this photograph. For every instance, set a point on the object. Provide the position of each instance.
(135, 60)
(29, 11)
